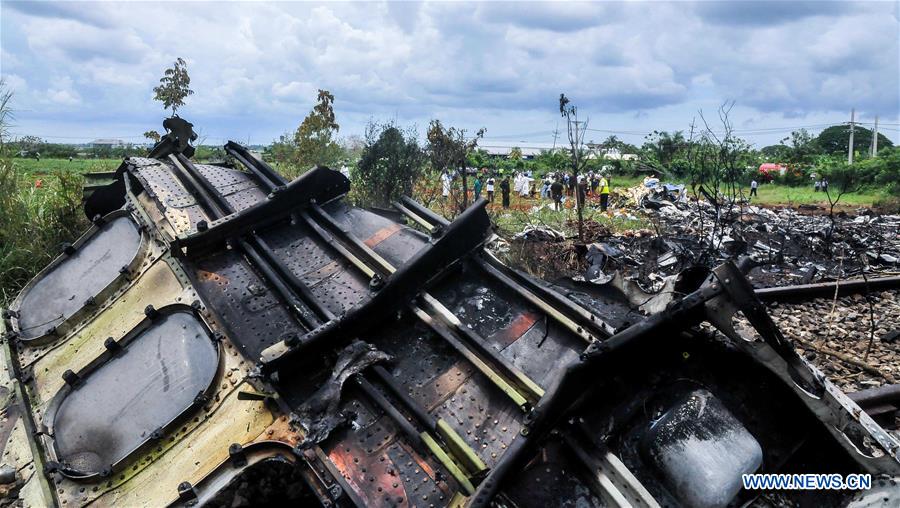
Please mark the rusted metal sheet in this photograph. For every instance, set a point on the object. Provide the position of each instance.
(480, 385)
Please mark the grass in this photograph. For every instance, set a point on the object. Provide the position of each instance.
(34, 167)
(36, 219)
(772, 194)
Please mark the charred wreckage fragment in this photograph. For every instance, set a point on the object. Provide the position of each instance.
(216, 321)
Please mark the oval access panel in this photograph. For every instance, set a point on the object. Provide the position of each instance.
(118, 406)
(62, 291)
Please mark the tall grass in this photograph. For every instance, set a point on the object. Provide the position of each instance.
(34, 222)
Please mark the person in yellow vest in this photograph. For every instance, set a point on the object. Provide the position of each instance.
(604, 193)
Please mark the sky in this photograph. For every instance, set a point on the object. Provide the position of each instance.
(81, 71)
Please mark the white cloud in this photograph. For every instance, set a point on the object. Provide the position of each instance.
(256, 66)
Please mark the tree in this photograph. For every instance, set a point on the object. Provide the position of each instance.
(614, 143)
(575, 130)
(661, 148)
(152, 136)
(31, 143)
(803, 147)
(283, 150)
(314, 139)
(448, 150)
(515, 154)
(390, 163)
(775, 153)
(835, 139)
(174, 86)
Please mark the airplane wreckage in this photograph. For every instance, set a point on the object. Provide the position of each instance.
(217, 324)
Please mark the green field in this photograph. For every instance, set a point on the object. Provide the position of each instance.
(772, 194)
(47, 166)
(792, 196)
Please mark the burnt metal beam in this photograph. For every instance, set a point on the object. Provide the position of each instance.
(318, 185)
(463, 236)
(887, 396)
(509, 379)
(261, 167)
(576, 381)
(567, 313)
(270, 179)
(464, 454)
(424, 212)
(424, 441)
(827, 289)
(587, 325)
(291, 290)
(431, 228)
(372, 258)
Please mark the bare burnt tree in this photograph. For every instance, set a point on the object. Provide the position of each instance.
(448, 148)
(841, 179)
(575, 130)
(715, 167)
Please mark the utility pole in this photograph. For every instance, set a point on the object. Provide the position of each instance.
(850, 147)
(555, 134)
(875, 138)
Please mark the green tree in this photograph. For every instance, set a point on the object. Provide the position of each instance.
(661, 148)
(477, 158)
(775, 153)
(174, 86)
(835, 139)
(315, 137)
(551, 161)
(802, 148)
(515, 154)
(613, 142)
(283, 150)
(152, 136)
(390, 163)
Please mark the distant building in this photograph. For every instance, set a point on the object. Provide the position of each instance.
(107, 143)
(609, 153)
(529, 149)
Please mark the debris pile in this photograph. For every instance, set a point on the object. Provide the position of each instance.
(788, 247)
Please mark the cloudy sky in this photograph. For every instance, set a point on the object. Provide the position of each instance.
(86, 70)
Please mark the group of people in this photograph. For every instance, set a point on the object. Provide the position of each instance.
(554, 186)
(821, 185)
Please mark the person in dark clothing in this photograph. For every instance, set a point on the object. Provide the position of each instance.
(504, 190)
(556, 192)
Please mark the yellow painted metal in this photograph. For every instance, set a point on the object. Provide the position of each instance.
(197, 454)
(414, 216)
(448, 463)
(458, 500)
(158, 286)
(20, 450)
(460, 449)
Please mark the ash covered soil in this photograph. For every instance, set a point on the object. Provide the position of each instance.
(854, 344)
